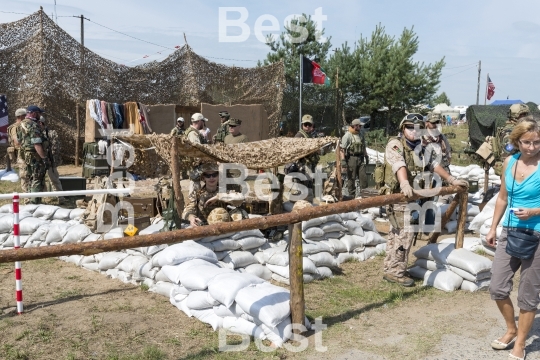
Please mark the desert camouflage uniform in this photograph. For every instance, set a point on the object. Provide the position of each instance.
(222, 132)
(53, 151)
(177, 131)
(194, 136)
(236, 139)
(12, 131)
(398, 154)
(446, 150)
(196, 201)
(31, 133)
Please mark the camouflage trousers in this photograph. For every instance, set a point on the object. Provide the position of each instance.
(397, 250)
(54, 177)
(36, 170)
(23, 175)
(356, 169)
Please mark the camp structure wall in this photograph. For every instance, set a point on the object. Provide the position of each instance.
(254, 119)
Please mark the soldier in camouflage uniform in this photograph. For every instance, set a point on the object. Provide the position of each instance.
(14, 151)
(223, 129)
(178, 130)
(202, 201)
(405, 158)
(192, 133)
(32, 139)
(354, 157)
(53, 152)
(433, 134)
(235, 136)
(500, 143)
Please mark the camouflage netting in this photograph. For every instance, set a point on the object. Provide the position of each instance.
(41, 64)
(262, 154)
(483, 120)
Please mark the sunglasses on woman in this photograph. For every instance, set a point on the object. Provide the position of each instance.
(212, 175)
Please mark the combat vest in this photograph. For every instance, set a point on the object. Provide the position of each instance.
(501, 146)
(190, 130)
(387, 180)
(221, 132)
(356, 147)
(177, 131)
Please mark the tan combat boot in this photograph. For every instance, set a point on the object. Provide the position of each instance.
(403, 280)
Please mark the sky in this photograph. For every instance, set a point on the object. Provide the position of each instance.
(503, 35)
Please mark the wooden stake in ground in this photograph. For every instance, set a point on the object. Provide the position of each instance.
(296, 275)
(175, 170)
(462, 219)
(449, 211)
(338, 173)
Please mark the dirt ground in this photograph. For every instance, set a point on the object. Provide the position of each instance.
(72, 313)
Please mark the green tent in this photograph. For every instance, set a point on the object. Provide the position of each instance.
(483, 120)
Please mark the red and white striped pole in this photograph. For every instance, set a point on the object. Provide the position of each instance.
(17, 245)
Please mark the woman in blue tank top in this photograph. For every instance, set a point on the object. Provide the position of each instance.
(520, 189)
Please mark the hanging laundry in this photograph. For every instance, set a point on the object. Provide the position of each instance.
(119, 115)
(132, 118)
(104, 117)
(110, 115)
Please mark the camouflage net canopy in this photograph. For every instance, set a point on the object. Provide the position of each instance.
(262, 154)
(41, 64)
(483, 120)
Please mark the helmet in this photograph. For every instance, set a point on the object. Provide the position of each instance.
(434, 117)
(301, 204)
(412, 119)
(224, 114)
(218, 215)
(209, 167)
(517, 111)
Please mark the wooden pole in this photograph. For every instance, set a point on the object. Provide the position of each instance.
(449, 211)
(338, 172)
(478, 86)
(462, 219)
(487, 82)
(175, 170)
(296, 275)
(77, 148)
(177, 236)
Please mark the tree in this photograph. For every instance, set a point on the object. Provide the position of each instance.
(441, 99)
(381, 73)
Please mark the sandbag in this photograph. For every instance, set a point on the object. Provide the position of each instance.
(198, 276)
(436, 252)
(152, 250)
(352, 242)
(333, 226)
(200, 300)
(451, 226)
(147, 271)
(247, 233)
(221, 254)
(132, 263)
(336, 246)
(92, 237)
(428, 264)
(468, 276)
(213, 238)
(225, 287)
(313, 232)
(366, 223)
(344, 257)
(179, 253)
(242, 326)
(161, 276)
(152, 229)
(354, 228)
(307, 278)
(225, 245)
(482, 285)
(372, 238)
(111, 260)
(323, 259)
(313, 222)
(278, 334)
(419, 272)
(6, 222)
(40, 234)
(173, 272)
(56, 233)
(238, 259)
(29, 225)
(29, 208)
(61, 214)
(207, 316)
(265, 302)
(445, 280)
(76, 214)
(251, 242)
(45, 212)
(348, 216)
(324, 272)
(469, 261)
(260, 271)
(76, 234)
(180, 302)
(276, 256)
(233, 310)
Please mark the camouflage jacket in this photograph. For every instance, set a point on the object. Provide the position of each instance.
(176, 131)
(53, 149)
(354, 144)
(238, 139)
(314, 158)
(12, 133)
(196, 201)
(446, 153)
(30, 133)
(221, 132)
(194, 135)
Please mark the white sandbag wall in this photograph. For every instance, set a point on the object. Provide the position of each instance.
(449, 269)
(481, 224)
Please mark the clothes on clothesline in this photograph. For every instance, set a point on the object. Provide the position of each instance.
(120, 116)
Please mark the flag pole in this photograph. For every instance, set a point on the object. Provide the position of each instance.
(301, 83)
(487, 84)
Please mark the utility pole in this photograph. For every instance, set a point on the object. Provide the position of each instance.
(478, 87)
(81, 79)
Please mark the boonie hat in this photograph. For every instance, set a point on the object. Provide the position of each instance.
(20, 112)
(307, 119)
(198, 117)
(209, 167)
(235, 122)
(180, 119)
(33, 108)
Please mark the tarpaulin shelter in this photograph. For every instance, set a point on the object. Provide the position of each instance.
(506, 102)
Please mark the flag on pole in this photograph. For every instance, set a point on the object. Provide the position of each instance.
(490, 89)
(3, 119)
(313, 73)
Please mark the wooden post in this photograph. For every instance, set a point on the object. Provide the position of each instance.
(77, 134)
(276, 205)
(449, 211)
(296, 275)
(175, 170)
(462, 219)
(338, 172)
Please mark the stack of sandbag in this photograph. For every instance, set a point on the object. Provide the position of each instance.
(448, 269)
(451, 225)
(475, 172)
(328, 242)
(375, 156)
(481, 224)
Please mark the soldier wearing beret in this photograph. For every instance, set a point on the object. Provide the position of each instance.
(235, 136)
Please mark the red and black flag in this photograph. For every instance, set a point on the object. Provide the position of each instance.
(313, 73)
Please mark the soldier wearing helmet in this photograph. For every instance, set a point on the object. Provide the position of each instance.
(223, 129)
(178, 130)
(405, 158)
(433, 134)
(354, 157)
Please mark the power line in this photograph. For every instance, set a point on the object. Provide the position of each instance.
(458, 72)
(11, 12)
(455, 67)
